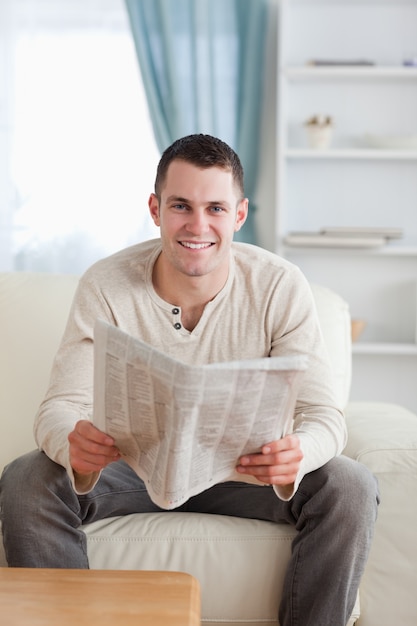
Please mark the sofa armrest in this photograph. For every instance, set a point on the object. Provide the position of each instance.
(384, 437)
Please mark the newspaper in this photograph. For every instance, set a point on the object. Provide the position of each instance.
(183, 428)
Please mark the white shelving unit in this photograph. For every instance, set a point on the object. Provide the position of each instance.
(355, 182)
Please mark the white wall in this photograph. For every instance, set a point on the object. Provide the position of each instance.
(6, 188)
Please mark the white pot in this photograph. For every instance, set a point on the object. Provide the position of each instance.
(319, 137)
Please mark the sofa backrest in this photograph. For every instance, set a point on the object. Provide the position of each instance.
(335, 322)
(33, 311)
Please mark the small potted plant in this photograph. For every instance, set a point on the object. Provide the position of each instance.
(319, 131)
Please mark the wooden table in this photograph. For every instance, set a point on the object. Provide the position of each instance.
(64, 597)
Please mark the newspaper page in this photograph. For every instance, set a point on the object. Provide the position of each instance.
(183, 428)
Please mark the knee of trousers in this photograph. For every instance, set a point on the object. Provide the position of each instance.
(353, 486)
(348, 487)
(25, 479)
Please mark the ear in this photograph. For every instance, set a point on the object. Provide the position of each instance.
(241, 214)
(153, 205)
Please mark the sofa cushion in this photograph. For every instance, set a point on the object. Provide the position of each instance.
(197, 543)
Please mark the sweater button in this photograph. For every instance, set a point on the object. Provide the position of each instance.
(177, 325)
(175, 311)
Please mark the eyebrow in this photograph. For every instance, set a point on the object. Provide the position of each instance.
(177, 199)
(186, 201)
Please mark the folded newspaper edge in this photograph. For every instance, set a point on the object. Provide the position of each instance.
(182, 428)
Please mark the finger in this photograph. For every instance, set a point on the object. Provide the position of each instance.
(276, 452)
(92, 453)
(86, 465)
(281, 480)
(87, 437)
(83, 461)
(274, 459)
(273, 475)
(87, 430)
(90, 450)
(269, 470)
(289, 442)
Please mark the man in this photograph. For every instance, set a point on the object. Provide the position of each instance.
(201, 298)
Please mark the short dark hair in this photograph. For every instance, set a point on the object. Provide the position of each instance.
(202, 151)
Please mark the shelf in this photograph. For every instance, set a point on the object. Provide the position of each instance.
(354, 2)
(341, 72)
(371, 348)
(351, 153)
(390, 250)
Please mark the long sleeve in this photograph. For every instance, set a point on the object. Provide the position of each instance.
(265, 309)
(69, 397)
(318, 421)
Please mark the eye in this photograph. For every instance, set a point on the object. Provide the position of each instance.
(179, 207)
(217, 209)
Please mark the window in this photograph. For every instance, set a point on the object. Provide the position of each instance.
(78, 143)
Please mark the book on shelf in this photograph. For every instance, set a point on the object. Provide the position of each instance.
(324, 240)
(344, 237)
(362, 231)
(341, 62)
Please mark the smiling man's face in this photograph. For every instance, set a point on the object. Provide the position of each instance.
(198, 213)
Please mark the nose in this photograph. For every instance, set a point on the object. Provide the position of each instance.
(197, 222)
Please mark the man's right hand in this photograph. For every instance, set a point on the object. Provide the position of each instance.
(90, 449)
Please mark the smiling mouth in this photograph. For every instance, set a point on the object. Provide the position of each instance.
(196, 246)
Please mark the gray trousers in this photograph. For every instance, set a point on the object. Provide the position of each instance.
(334, 512)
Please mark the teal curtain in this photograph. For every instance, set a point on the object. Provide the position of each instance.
(202, 64)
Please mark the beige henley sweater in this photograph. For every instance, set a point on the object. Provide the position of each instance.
(265, 309)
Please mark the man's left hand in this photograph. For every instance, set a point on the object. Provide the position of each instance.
(278, 462)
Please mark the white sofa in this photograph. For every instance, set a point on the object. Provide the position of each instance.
(240, 563)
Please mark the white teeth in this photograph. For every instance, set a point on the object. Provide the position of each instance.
(195, 246)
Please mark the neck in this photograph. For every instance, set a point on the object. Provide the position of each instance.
(190, 293)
